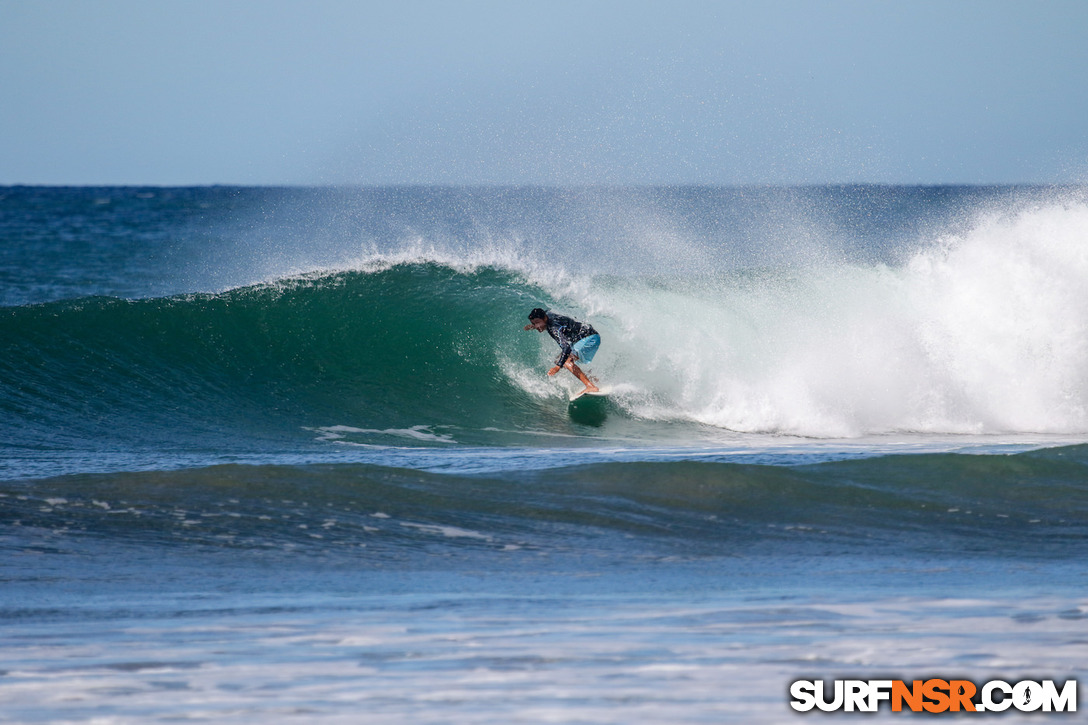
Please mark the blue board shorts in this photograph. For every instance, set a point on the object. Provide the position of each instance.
(586, 348)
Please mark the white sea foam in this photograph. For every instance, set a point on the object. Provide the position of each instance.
(985, 332)
(455, 659)
(338, 433)
(452, 532)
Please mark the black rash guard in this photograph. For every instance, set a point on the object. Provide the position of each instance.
(567, 331)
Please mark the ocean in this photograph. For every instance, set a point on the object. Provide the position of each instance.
(287, 454)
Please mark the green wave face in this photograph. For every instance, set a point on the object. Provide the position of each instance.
(415, 344)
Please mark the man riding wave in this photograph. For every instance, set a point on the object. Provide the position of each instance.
(577, 341)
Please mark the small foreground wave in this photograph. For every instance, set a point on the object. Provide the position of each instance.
(1027, 505)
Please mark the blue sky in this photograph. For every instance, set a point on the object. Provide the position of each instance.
(412, 92)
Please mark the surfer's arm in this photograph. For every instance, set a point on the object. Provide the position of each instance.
(564, 345)
(564, 355)
(569, 365)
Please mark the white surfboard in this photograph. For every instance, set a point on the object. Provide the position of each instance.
(602, 393)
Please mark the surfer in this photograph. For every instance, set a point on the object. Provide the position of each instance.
(577, 340)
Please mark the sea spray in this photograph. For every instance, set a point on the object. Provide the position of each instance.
(979, 333)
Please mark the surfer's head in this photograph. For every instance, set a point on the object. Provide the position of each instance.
(538, 318)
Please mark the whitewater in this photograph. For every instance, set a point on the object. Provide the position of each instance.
(288, 455)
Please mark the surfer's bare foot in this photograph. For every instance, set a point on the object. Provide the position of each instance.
(592, 389)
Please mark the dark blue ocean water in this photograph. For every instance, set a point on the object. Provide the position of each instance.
(287, 454)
